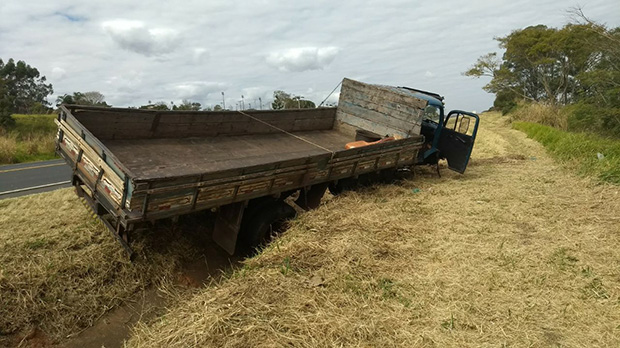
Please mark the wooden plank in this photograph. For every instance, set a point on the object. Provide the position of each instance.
(379, 109)
(355, 120)
(383, 105)
(405, 128)
(385, 92)
(108, 124)
(385, 96)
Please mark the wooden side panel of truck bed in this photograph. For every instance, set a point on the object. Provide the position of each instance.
(268, 179)
(383, 110)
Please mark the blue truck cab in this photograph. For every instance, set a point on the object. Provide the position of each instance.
(450, 137)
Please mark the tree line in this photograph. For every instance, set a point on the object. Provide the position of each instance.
(22, 90)
(575, 68)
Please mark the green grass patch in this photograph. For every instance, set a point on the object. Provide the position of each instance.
(589, 154)
(40, 124)
(32, 139)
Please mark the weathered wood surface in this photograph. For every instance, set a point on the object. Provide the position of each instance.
(201, 192)
(138, 124)
(157, 158)
(178, 162)
(380, 109)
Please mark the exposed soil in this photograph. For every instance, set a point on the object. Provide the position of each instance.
(113, 327)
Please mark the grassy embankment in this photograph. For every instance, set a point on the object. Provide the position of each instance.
(587, 153)
(516, 252)
(60, 270)
(32, 139)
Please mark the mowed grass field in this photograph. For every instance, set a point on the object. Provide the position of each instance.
(517, 252)
(32, 139)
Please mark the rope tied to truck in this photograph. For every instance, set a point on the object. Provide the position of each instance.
(288, 133)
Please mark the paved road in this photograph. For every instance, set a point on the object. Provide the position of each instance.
(28, 178)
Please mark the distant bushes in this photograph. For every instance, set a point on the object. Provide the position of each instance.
(547, 115)
(31, 139)
(588, 153)
(591, 118)
(578, 117)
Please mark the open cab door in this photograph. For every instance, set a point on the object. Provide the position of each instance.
(456, 139)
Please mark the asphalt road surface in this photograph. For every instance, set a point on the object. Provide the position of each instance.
(36, 177)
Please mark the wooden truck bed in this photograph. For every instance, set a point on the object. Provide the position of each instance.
(159, 158)
(135, 165)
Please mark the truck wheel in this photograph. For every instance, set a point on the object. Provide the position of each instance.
(267, 223)
(388, 176)
(342, 185)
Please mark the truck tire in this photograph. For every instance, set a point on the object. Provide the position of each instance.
(342, 185)
(266, 223)
(384, 176)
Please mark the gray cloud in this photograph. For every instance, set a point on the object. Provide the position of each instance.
(136, 37)
(196, 90)
(58, 73)
(193, 49)
(199, 55)
(302, 58)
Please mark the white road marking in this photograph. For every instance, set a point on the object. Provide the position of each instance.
(26, 168)
(34, 187)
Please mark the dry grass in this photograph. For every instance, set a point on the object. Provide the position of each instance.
(60, 269)
(8, 148)
(32, 139)
(549, 115)
(516, 252)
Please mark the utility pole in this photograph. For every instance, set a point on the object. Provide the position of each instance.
(261, 103)
(223, 101)
(242, 103)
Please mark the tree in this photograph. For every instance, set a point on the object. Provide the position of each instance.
(87, 98)
(6, 121)
(156, 106)
(283, 100)
(279, 100)
(94, 98)
(601, 83)
(539, 64)
(65, 99)
(187, 105)
(576, 67)
(22, 88)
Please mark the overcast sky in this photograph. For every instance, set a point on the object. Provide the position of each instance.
(172, 50)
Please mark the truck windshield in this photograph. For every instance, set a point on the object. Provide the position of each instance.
(431, 113)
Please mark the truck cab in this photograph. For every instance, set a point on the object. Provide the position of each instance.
(450, 137)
